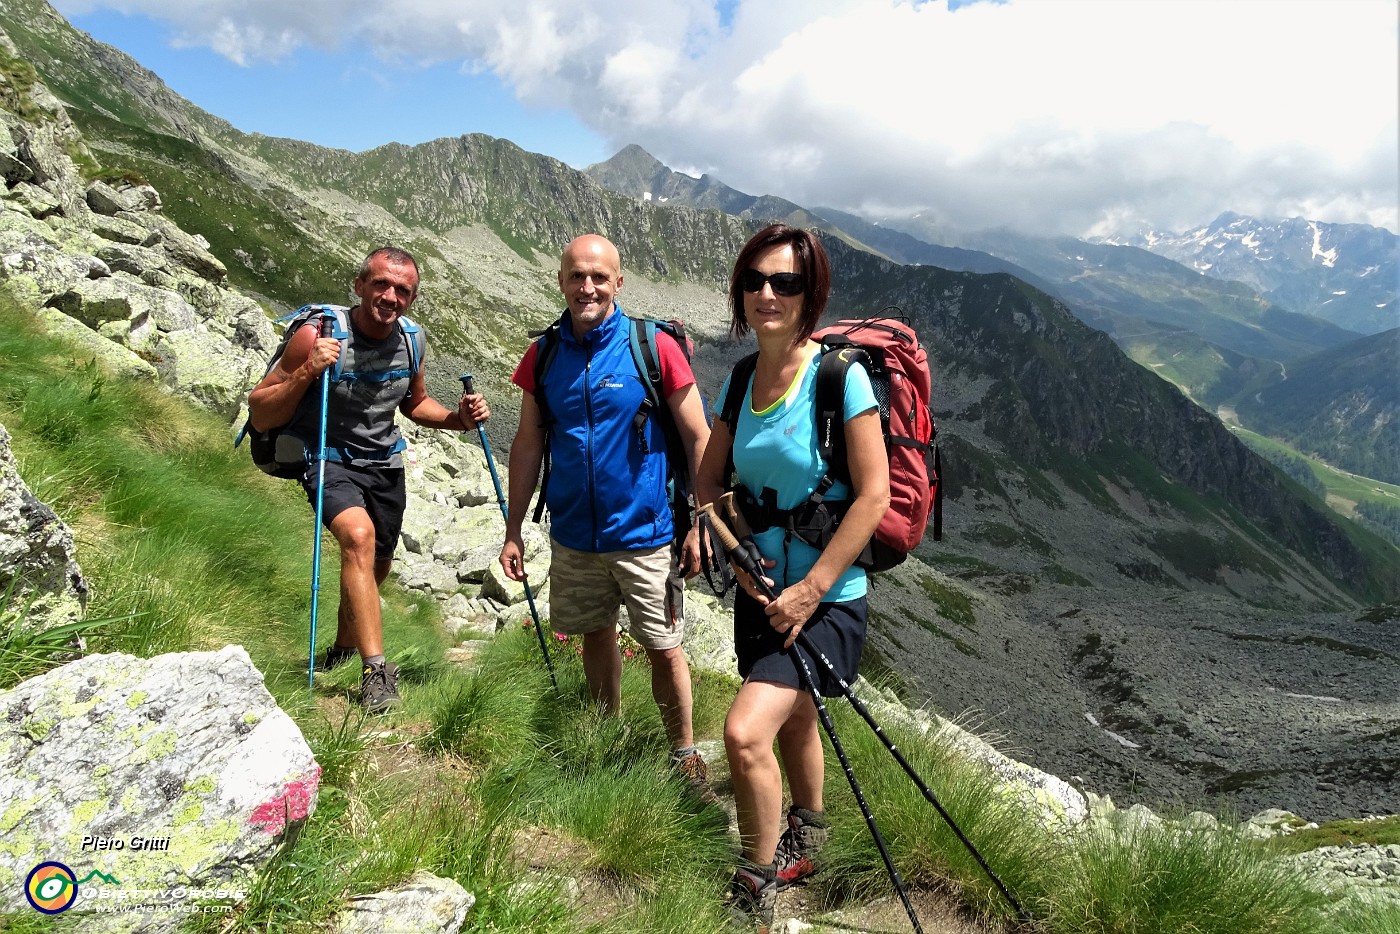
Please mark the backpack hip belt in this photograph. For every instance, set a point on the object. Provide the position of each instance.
(814, 521)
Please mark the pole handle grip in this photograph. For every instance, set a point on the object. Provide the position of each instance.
(466, 379)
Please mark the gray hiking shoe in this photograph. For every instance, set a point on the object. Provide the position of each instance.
(697, 776)
(806, 833)
(379, 687)
(752, 893)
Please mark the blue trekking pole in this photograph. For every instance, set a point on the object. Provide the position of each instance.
(325, 331)
(466, 379)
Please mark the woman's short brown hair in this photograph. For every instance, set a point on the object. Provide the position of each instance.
(811, 263)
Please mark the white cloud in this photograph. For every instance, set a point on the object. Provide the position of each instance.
(1052, 115)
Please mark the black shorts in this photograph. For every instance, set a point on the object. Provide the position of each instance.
(836, 630)
(379, 491)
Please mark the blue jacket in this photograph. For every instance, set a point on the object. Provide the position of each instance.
(604, 494)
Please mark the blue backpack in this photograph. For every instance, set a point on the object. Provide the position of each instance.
(263, 444)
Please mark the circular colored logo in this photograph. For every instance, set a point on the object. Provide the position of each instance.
(51, 888)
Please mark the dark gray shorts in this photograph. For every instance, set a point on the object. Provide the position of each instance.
(379, 491)
(837, 630)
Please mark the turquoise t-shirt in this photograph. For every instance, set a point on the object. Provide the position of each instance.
(777, 448)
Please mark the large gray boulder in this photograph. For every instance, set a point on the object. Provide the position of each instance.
(12, 167)
(33, 268)
(173, 772)
(36, 556)
(205, 367)
(117, 298)
(110, 200)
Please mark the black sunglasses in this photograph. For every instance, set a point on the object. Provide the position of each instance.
(786, 284)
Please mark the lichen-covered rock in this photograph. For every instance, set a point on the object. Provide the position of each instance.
(186, 249)
(117, 298)
(109, 200)
(425, 904)
(187, 753)
(206, 368)
(38, 202)
(36, 555)
(34, 270)
(709, 632)
(120, 230)
(131, 258)
(119, 359)
(12, 167)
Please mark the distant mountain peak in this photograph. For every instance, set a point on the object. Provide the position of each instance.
(1343, 273)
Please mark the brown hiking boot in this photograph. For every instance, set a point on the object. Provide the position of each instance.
(379, 687)
(806, 833)
(697, 776)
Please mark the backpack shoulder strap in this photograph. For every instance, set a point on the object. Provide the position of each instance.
(830, 406)
(546, 347)
(738, 385)
(417, 344)
(340, 332)
(642, 337)
(547, 341)
(293, 321)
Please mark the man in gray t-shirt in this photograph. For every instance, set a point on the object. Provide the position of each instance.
(363, 496)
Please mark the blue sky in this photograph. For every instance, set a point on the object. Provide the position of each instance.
(1050, 116)
(331, 98)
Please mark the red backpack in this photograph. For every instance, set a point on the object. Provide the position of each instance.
(899, 372)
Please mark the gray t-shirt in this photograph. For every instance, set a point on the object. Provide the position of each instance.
(360, 424)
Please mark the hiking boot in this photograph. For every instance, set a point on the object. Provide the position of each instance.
(797, 848)
(379, 687)
(752, 894)
(335, 656)
(697, 776)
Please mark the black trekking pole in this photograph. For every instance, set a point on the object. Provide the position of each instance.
(744, 558)
(466, 379)
(326, 330)
(865, 714)
(746, 543)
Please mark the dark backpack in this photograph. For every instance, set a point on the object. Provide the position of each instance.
(263, 444)
(899, 372)
(642, 336)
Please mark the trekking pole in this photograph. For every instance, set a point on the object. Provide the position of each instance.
(466, 379)
(745, 540)
(744, 558)
(928, 794)
(325, 331)
(830, 728)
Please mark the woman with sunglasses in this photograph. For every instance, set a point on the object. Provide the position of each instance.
(778, 291)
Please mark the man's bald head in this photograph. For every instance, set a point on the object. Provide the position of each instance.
(590, 274)
(594, 247)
